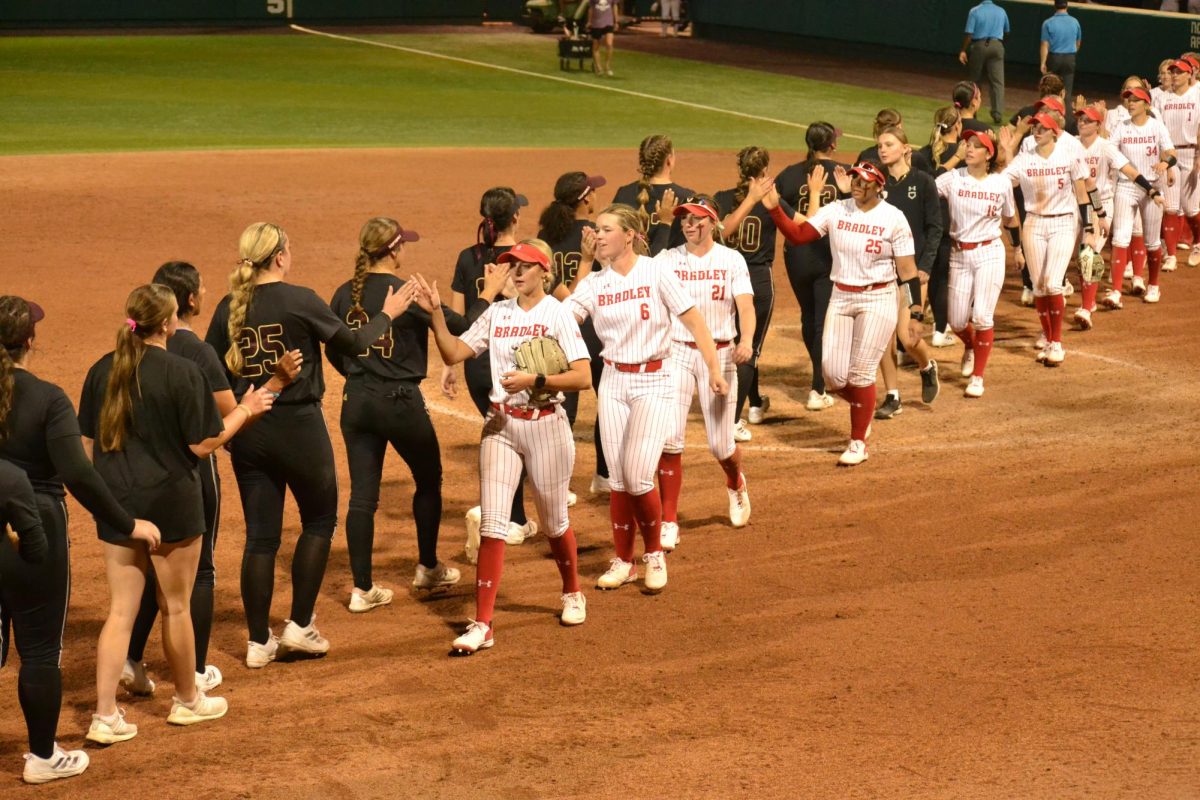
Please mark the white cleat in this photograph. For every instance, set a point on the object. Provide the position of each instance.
(741, 433)
(474, 520)
(1169, 264)
(439, 577)
(572, 499)
(1194, 257)
(656, 571)
(362, 602)
(943, 339)
(1027, 296)
(1083, 319)
(574, 609)
(1068, 289)
(669, 534)
(259, 655)
(478, 637)
(1055, 354)
(974, 387)
(818, 401)
(208, 680)
(60, 764)
(1139, 286)
(1153, 295)
(517, 534)
(856, 453)
(757, 413)
(968, 362)
(202, 709)
(305, 639)
(599, 484)
(739, 504)
(1112, 300)
(619, 573)
(135, 680)
(1128, 271)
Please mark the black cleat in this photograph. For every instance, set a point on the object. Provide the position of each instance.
(930, 386)
(890, 408)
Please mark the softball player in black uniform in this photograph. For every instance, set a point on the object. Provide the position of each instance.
(500, 208)
(253, 327)
(185, 282)
(561, 226)
(383, 404)
(152, 418)
(656, 161)
(943, 152)
(809, 265)
(750, 229)
(39, 433)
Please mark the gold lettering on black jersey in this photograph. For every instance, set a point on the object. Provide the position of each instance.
(384, 344)
(261, 347)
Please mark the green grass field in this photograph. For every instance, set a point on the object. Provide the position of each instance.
(127, 93)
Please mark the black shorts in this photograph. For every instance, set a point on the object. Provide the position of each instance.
(600, 33)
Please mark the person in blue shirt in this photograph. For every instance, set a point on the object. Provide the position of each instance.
(983, 51)
(1061, 37)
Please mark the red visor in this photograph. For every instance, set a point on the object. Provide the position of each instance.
(1052, 103)
(1048, 122)
(1192, 60)
(526, 253)
(1140, 94)
(698, 206)
(1092, 113)
(869, 172)
(985, 139)
(1182, 66)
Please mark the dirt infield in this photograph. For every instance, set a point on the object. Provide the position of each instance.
(1001, 603)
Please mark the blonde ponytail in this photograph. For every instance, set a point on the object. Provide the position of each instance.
(259, 245)
(147, 308)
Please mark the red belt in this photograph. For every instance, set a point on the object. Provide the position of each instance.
(970, 245)
(649, 366)
(523, 413)
(695, 346)
(1050, 216)
(847, 288)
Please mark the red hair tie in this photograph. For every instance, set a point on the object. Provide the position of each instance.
(132, 324)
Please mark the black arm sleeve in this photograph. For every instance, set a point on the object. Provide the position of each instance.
(336, 360)
(350, 343)
(473, 313)
(19, 511)
(81, 478)
(659, 238)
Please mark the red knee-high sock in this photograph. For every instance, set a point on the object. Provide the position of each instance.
(967, 335)
(648, 510)
(1120, 259)
(1137, 251)
(620, 510)
(1170, 231)
(487, 577)
(1055, 304)
(733, 470)
(670, 484)
(1194, 226)
(564, 550)
(983, 349)
(1187, 230)
(1042, 304)
(1089, 296)
(1155, 259)
(862, 410)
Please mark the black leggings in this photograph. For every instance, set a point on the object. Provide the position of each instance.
(288, 448)
(939, 286)
(764, 306)
(33, 602)
(479, 396)
(206, 577)
(808, 272)
(373, 416)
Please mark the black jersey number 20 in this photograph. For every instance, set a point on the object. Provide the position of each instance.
(261, 347)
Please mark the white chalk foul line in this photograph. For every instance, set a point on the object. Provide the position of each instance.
(560, 79)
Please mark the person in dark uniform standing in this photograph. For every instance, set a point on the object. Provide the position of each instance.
(382, 404)
(751, 231)
(185, 282)
(39, 434)
(944, 153)
(885, 119)
(500, 208)
(656, 162)
(149, 418)
(809, 265)
(983, 51)
(561, 226)
(1062, 37)
(261, 319)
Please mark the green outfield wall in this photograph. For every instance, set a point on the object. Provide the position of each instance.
(1116, 42)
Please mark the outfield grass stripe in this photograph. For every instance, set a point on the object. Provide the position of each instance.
(560, 79)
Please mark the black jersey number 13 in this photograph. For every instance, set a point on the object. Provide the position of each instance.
(261, 347)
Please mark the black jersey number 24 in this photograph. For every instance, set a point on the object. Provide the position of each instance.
(261, 347)
(384, 344)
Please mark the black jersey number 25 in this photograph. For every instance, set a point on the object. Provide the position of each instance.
(261, 347)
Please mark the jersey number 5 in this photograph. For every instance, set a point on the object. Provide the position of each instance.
(261, 347)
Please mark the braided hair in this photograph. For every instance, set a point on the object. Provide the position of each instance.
(752, 161)
(259, 245)
(652, 157)
(373, 242)
(498, 207)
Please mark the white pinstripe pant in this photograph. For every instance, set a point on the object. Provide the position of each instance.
(1048, 243)
(689, 376)
(976, 278)
(1179, 197)
(1130, 201)
(546, 449)
(636, 410)
(858, 328)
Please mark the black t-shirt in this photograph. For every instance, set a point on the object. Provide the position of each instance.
(187, 345)
(792, 184)
(917, 197)
(18, 508)
(41, 413)
(947, 154)
(972, 124)
(567, 254)
(755, 236)
(628, 195)
(468, 281)
(402, 353)
(284, 317)
(1071, 125)
(154, 475)
(919, 161)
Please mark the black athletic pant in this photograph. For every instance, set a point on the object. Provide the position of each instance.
(764, 305)
(808, 272)
(1018, 195)
(479, 396)
(206, 577)
(375, 415)
(288, 448)
(571, 399)
(33, 603)
(939, 286)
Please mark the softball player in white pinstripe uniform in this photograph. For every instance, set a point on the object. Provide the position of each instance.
(1145, 142)
(717, 279)
(980, 201)
(631, 302)
(872, 244)
(1051, 178)
(1179, 110)
(519, 432)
